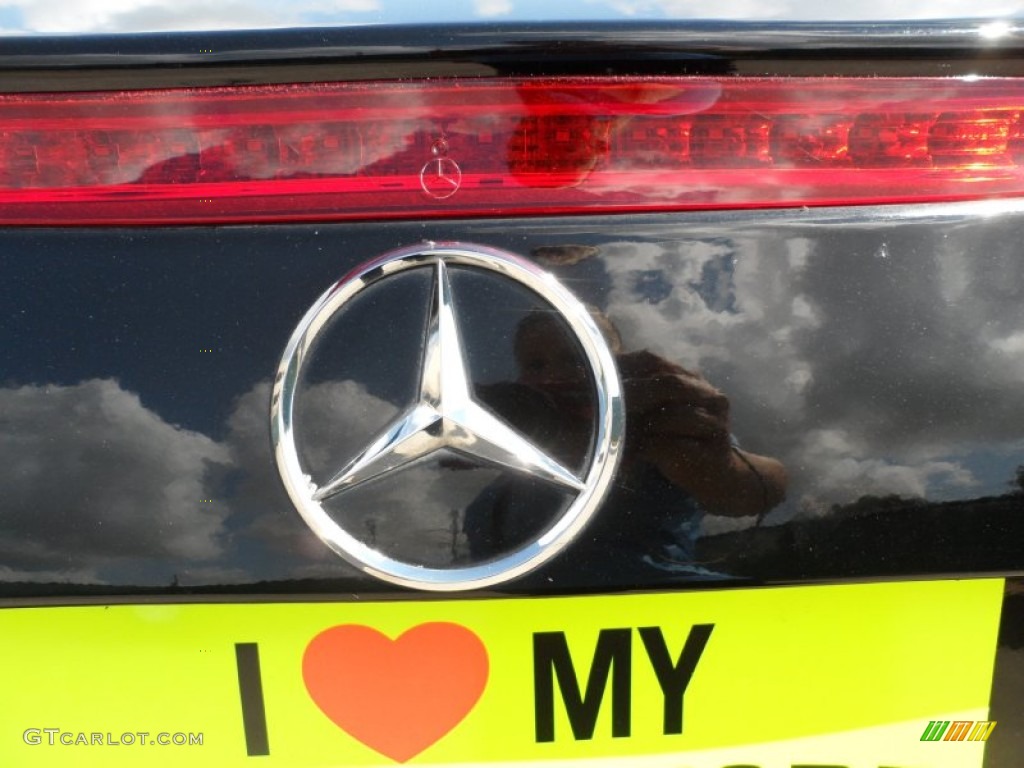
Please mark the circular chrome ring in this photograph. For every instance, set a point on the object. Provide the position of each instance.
(596, 478)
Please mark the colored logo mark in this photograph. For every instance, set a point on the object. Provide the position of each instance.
(958, 730)
(400, 696)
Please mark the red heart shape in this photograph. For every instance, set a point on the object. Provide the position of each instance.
(396, 696)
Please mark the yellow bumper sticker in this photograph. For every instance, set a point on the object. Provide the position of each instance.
(852, 676)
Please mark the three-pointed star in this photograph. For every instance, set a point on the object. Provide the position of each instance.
(447, 416)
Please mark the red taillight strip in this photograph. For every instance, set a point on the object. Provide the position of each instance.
(504, 147)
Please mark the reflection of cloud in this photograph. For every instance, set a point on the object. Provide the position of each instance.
(489, 8)
(337, 418)
(338, 415)
(91, 476)
(810, 10)
(845, 472)
(697, 9)
(885, 381)
(84, 16)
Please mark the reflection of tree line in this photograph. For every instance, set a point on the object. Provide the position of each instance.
(882, 535)
(872, 536)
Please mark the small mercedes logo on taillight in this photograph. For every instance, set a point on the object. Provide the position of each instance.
(440, 176)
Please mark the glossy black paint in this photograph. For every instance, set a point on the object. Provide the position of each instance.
(875, 355)
(941, 49)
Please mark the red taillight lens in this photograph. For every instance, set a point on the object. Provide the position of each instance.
(503, 147)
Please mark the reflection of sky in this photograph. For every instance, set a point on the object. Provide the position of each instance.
(94, 481)
(105, 16)
(886, 368)
(878, 360)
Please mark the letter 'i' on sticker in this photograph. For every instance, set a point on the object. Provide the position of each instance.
(250, 687)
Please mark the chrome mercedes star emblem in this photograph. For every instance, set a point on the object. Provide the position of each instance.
(447, 416)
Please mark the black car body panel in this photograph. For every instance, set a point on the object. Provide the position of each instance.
(900, 359)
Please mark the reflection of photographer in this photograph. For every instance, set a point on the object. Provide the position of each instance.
(679, 461)
(680, 423)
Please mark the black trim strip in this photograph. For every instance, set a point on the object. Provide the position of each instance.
(599, 48)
